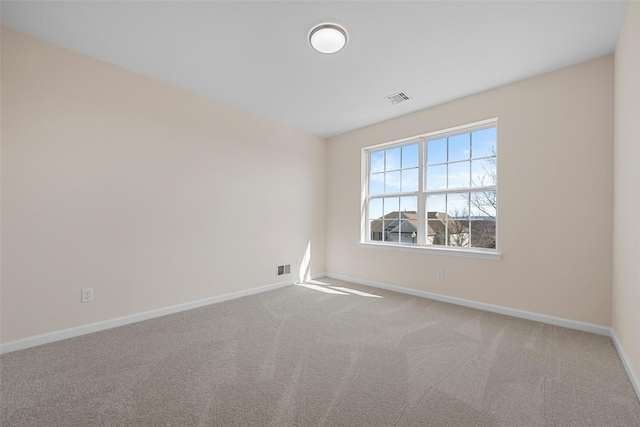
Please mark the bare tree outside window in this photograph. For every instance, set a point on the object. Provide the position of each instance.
(458, 227)
(485, 201)
(483, 205)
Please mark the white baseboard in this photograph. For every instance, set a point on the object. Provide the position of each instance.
(125, 320)
(635, 381)
(552, 320)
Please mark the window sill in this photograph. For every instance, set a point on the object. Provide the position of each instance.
(462, 253)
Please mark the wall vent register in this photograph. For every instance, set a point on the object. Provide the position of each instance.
(282, 270)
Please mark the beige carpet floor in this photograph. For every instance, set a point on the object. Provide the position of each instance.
(332, 354)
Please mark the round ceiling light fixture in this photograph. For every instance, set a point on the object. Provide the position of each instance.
(328, 38)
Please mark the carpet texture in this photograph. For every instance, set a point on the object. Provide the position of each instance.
(327, 353)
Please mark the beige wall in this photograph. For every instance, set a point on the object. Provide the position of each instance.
(626, 237)
(555, 198)
(149, 194)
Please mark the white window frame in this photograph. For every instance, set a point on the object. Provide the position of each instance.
(421, 194)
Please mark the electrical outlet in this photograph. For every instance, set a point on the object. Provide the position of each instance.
(87, 295)
(440, 273)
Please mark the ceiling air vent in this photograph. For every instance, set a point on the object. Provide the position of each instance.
(397, 98)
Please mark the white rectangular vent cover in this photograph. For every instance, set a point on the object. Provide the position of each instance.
(283, 269)
(397, 98)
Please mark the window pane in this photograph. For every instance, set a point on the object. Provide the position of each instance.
(376, 183)
(436, 232)
(391, 218)
(376, 223)
(459, 175)
(410, 156)
(437, 151)
(377, 161)
(409, 216)
(483, 204)
(483, 143)
(375, 228)
(409, 204)
(458, 205)
(391, 207)
(375, 209)
(436, 177)
(392, 182)
(483, 172)
(391, 230)
(459, 147)
(483, 233)
(458, 232)
(408, 232)
(393, 159)
(458, 219)
(436, 203)
(410, 180)
(375, 219)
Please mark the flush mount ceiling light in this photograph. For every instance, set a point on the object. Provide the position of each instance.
(328, 38)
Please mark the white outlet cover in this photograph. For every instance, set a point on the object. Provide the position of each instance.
(87, 295)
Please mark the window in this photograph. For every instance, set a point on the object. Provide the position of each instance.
(437, 190)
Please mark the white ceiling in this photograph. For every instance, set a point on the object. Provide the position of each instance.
(256, 56)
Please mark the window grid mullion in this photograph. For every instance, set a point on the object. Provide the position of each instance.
(462, 190)
(367, 200)
(422, 199)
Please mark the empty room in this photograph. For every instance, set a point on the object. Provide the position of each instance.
(320, 213)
